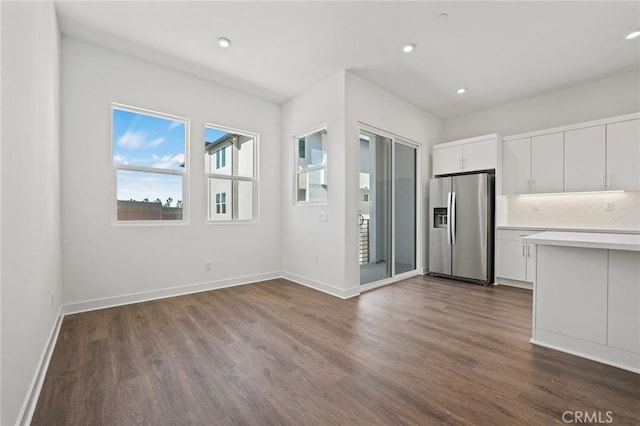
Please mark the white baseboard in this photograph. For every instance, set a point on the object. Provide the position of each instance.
(596, 352)
(513, 283)
(31, 399)
(109, 302)
(325, 288)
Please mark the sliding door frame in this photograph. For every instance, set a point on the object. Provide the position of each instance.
(420, 238)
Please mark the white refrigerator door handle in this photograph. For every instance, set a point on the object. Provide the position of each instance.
(449, 218)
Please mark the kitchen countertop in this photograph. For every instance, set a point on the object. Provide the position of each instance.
(598, 240)
(567, 229)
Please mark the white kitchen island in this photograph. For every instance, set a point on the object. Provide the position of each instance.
(586, 295)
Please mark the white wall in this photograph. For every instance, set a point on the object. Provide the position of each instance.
(105, 261)
(608, 97)
(369, 104)
(31, 262)
(303, 235)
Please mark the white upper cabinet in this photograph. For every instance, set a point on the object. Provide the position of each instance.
(584, 159)
(447, 160)
(479, 155)
(623, 155)
(466, 155)
(547, 163)
(516, 166)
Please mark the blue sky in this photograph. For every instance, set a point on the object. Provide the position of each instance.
(211, 135)
(144, 140)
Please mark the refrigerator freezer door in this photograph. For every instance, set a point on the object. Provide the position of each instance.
(439, 245)
(471, 230)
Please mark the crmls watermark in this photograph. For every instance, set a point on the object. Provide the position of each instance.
(591, 417)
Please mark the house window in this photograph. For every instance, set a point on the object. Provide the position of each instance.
(221, 158)
(221, 203)
(149, 158)
(311, 167)
(230, 169)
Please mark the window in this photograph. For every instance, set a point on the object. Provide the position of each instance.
(221, 158)
(230, 168)
(149, 157)
(221, 203)
(311, 167)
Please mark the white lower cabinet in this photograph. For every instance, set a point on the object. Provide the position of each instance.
(587, 302)
(515, 260)
(624, 300)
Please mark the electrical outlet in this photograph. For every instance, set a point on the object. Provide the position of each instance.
(207, 266)
(608, 206)
(323, 217)
(316, 258)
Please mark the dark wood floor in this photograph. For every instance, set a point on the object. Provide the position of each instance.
(424, 351)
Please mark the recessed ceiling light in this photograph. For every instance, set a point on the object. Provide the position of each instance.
(224, 42)
(442, 17)
(634, 34)
(462, 90)
(409, 48)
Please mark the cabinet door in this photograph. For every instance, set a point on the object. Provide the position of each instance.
(571, 292)
(584, 161)
(512, 262)
(547, 163)
(623, 155)
(479, 155)
(447, 160)
(516, 166)
(624, 300)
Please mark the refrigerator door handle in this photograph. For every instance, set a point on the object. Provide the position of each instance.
(453, 218)
(449, 218)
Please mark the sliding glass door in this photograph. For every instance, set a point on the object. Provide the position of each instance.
(387, 207)
(404, 184)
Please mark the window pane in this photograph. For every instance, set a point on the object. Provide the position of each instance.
(149, 141)
(244, 198)
(218, 190)
(230, 154)
(312, 150)
(230, 199)
(149, 196)
(312, 186)
(245, 147)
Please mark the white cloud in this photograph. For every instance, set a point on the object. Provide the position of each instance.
(169, 162)
(174, 124)
(155, 142)
(118, 159)
(132, 140)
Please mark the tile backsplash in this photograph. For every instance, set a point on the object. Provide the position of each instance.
(607, 210)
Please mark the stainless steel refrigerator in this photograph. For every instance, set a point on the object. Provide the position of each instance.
(461, 223)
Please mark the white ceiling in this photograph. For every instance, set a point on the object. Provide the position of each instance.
(501, 51)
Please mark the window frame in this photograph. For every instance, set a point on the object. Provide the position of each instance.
(183, 172)
(309, 169)
(230, 177)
